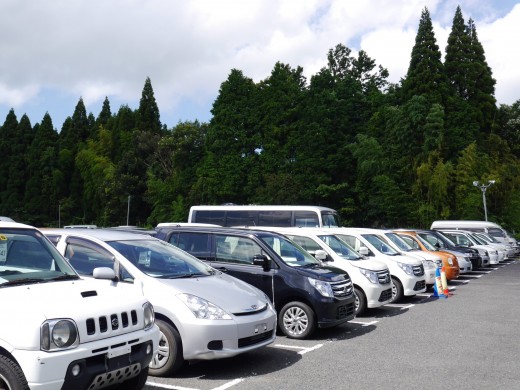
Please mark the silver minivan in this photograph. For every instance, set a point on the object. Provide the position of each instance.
(202, 313)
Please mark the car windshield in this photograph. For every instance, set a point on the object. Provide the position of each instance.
(380, 244)
(401, 244)
(340, 247)
(160, 259)
(426, 244)
(26, 257)
(290, 252)
(479, 240)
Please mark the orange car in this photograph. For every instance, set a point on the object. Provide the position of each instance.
(449, 260)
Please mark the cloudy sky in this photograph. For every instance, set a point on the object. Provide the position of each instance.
(54, 52)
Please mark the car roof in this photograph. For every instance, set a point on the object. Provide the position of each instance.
(12, 224)
(100, 234)
(214, 229)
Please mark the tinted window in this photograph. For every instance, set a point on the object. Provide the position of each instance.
(306, 219)
(207, 216)
(495, 232)
(198, 244)
(330, 220)
(84, 258)
(233, 249)
(241, 218)
(306, 243)
(274, 218)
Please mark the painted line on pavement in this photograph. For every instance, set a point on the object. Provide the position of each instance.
(363, 323)
(303, 351)
(170, 387)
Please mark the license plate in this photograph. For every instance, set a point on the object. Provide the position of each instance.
(260, 328)
(119, 351)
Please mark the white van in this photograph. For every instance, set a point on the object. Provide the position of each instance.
(263, 215)
(60, 331)
(407, 273)
(494, 230)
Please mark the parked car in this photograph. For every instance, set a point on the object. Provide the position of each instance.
(452, 262)
(441, 242)
(504, 249)
(460, 237)
(306, 295)
(371, 278)
(407, 273)
(61, 331)
(202, 313)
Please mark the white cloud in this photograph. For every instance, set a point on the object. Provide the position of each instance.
(99, 48)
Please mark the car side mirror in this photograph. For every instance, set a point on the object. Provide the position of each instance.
(363, 251)
(263, 261)
(104, 273)
(321, 255)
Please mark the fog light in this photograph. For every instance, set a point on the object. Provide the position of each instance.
(215, 345)
(76, 369)
(148, 349)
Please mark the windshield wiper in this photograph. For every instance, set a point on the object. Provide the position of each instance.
(181, 276)
(65, 277)
(16, 282)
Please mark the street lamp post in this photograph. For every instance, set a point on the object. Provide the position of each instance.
(484, 187)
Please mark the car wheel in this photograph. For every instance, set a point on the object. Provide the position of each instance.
(11, 375)
(361, 301)
(397, 290)
(169, 358)
(297, 320)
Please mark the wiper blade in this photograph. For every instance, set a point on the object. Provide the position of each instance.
(181, 276)
(16, 282)
(65, 277)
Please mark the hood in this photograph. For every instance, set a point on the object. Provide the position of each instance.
(371, 265)
(406, 259)
(225, 291)
(321, 272)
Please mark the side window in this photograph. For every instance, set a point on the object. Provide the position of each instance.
(306, 219)
(410, 241)
(355, 243)
(84, 259)
(239, 250)
(196, 244)
(216, 217)
(274, 218)
(306, 243)
(241, 218)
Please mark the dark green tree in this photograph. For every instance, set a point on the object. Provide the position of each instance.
(148, 116)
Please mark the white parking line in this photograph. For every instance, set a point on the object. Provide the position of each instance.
(363, 323)
(400, 306)
(303, 349)
(163, 386)
(170, 387)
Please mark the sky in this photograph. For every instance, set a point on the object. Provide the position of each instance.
(55, 52)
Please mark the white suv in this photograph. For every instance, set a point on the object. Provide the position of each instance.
(58, 330)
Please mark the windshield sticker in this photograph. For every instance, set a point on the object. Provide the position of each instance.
(3, 252)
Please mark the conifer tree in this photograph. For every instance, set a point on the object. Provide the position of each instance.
(425, 74)
(148, 117)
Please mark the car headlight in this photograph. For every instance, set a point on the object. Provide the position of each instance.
(407, 268)
(467, 254)
(429, 264)
(149, 315)
(450, 260)
(58, 334)
(324, 288)
(203, 309)
(370, 275)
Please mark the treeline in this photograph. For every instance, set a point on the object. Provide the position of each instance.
(382, 154)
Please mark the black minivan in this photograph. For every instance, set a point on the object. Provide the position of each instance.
(305, 294)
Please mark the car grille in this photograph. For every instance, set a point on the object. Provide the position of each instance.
(252, 311)
(383, 277)
(420, 285)
(252, 340)
(111, 322)
(345, 311)
(385, 295)
(418, 270)
(343, 288)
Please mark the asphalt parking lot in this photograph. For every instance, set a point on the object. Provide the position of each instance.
(470, 340)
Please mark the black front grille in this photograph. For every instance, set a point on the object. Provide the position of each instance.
(345, 311)
(420, 285)
(252, 340)
(343, 288)
(418, 270)
(112, 322)
(385, 295)
(383, 277)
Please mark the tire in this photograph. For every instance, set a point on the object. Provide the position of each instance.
(135, 383)
(297, 320)
(11, 375)
(397, 290)
(361, 301)
(169, 358)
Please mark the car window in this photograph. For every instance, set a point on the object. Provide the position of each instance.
(354, 242)
(340, 247)
(197, 244)
(306, 243)
(410, 241)
(234, 249)
(84, 258)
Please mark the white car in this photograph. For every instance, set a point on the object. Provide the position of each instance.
(407, 273)
(502, 248)
(371, 278)
(58, 330)
(202, 313)
(488, 254)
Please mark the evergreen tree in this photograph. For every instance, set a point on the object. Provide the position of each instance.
(148, 117)
(425, 74)
(105, 113)
(8, 132)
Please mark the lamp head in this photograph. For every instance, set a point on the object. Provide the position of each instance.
(475, 183)
(492, 182)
